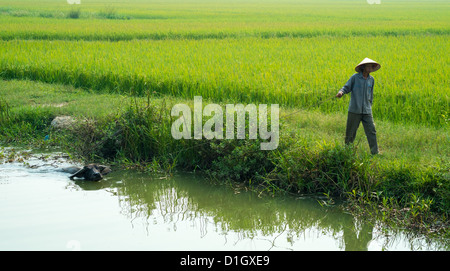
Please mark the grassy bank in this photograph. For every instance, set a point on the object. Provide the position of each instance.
(408, 184)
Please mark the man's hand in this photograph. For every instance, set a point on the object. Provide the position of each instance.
(340, 94)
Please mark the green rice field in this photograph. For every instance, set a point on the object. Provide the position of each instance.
(295, 53)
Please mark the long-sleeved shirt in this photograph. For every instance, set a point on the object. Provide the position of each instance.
(362, 93)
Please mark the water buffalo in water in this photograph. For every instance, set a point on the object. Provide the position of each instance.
(91, 172)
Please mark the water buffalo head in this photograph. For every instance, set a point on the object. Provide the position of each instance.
(92, 172)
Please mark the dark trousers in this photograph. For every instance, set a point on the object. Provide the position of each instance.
(353, 121)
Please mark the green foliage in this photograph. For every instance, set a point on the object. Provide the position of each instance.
(74, 14)
(145, 131)
(230, 69)
(24, 124)
(110, 12)
(239, 160)
(4, 111)
(327, 168)
(403, 181)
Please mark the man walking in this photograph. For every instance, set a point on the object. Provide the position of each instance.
(360, 109)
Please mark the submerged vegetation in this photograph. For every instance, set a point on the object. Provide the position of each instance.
(118, 69)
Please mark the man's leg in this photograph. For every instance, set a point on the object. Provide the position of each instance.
(353, 121)
(371, 133)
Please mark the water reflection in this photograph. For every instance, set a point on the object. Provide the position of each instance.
(280, 222)
(183, 212)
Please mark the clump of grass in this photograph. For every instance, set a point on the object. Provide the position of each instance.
(327, 167)
(74, 13)
(239, 160)
(110, 12)
(145, 131)
(4, 111)
(46, 14)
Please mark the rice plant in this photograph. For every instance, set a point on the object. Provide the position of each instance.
(412, 87)
(295, 53)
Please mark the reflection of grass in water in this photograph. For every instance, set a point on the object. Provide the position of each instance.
(186, 198)
(275, 220)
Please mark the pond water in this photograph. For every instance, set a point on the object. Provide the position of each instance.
(41, 209)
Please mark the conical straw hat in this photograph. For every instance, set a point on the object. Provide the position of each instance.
(367, 61)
